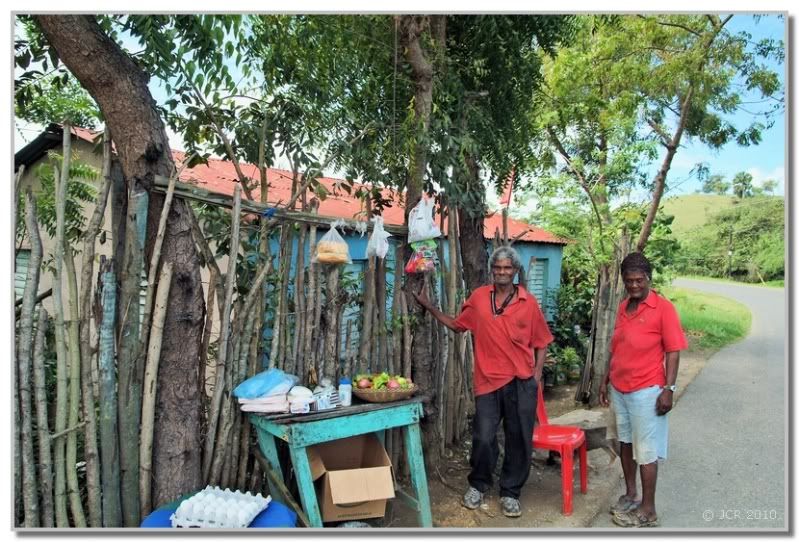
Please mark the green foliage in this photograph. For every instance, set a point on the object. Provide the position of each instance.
(611, 103)
(769, 186)
(742, 184)
(481, 86)
(573, 308)
(45, 91)
(79, 193)
(715, 184)
(57, 103)
(754, 230)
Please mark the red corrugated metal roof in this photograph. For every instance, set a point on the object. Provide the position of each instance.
(220, 175)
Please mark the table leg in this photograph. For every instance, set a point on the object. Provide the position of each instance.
(302, 470)
(415, 457)
(267, 444)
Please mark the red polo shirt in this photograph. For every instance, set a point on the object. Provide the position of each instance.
(640, 342)
(503, 344)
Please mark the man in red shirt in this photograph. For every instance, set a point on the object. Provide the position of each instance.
(510, 341)
(645, 356)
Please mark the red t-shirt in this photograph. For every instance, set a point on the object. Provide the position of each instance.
(503, 344)
(640, 342)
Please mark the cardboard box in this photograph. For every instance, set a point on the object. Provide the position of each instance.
(353, 478)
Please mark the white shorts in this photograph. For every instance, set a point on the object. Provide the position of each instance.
(638, 423)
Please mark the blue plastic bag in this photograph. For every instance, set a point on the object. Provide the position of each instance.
(263, 383)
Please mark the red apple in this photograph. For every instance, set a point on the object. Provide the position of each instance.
(364, 383)
(393, 385)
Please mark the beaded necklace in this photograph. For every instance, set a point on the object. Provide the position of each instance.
(496, 311)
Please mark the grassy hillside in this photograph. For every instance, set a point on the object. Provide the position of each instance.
(721, 237)
(694, 210)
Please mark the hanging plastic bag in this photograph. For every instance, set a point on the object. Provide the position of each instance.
(420, 222)
(378, 242)
(332, 248)
(424, 258)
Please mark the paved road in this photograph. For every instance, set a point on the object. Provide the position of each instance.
(727, 445)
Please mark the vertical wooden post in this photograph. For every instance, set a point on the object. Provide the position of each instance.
(216, 402)
(149, 389)
(329, 361)
(109, 443)
(23, 367)
(42, 423)
(62, 400)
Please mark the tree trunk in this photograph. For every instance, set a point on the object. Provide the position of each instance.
(42, 424)
(472, 238)
(329, 362)
(414, 30)
(119, 87)
(609, 294)
(119, 224)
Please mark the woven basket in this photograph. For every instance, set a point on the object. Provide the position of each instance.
(384, 395)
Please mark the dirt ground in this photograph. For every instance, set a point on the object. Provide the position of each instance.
(541, 499)
(449, 483)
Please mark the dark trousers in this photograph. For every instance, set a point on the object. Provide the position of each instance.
(514, 404)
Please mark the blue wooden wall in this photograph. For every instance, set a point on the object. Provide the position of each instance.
(541, 263)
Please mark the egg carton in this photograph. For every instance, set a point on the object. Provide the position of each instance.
(218, 508)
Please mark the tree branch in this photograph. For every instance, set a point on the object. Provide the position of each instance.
(562, 151)
(218, 127)
(665, 140)
(682, 27)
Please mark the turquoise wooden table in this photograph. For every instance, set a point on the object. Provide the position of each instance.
(302, 430)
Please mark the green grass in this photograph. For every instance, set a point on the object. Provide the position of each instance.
(777, 283)
(694, 210)
(712, 321)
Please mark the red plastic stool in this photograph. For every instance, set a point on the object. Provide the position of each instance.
(564, 439)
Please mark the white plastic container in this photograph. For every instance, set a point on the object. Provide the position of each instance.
(345, 391)
(216, 508)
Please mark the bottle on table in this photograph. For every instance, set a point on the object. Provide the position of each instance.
(345, 391)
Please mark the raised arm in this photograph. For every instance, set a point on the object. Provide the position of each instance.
(445, 319)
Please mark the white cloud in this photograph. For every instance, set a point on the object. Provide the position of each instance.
(686, 160)
(776, 174)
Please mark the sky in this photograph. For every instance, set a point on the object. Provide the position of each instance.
(764, 161)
